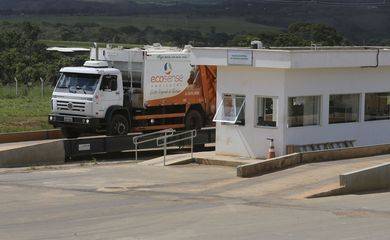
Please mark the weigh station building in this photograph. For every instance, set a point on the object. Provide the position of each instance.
(303, 98)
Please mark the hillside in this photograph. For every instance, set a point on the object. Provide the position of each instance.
(362, 21)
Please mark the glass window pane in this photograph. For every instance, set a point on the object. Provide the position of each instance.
(343, 108)
(266, 111)
(231, 110)
(377, 106)
(304, 111)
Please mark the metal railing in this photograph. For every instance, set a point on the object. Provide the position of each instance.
(164, 141)
(164, 138)
(150, 137)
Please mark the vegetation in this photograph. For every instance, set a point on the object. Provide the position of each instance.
(23, 57)
(362, 23)
(25, 112)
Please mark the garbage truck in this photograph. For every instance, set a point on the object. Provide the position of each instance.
(134, 90)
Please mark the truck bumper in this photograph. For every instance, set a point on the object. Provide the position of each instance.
(75, 121)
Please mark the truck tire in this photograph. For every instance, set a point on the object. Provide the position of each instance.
(70, 132)
(119, 125)
(194, 120)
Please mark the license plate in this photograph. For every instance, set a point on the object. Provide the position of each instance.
(84, 147)
(68, 119)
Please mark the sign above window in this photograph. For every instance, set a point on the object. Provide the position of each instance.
(240, 57)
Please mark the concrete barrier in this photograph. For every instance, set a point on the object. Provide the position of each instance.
(345, 153)
(30, 136)
(292, 160)
(368, 179)
(271, 165)
(50, 153)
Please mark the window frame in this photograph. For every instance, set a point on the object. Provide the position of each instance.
(242, 107)
(359, 108)
(276, 102)
(364, 107)
(113, 77)
(320, 109)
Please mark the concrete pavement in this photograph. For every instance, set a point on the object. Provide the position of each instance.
(131, 201)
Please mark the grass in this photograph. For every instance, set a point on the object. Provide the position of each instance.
(162, 22)
(24, 113)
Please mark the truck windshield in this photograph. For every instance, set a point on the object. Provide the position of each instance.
(77, 83)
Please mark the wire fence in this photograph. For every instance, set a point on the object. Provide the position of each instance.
(20, 89)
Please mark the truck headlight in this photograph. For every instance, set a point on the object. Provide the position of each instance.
(87, 121)
(51, 118)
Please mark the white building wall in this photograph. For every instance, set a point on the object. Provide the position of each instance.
(249, 140)
(338, 81)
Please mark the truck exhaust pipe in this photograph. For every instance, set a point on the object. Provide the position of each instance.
(95, 45)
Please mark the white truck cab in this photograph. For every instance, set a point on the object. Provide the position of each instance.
(142, 89)
(87, 98)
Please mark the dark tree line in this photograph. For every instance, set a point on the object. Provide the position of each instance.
(24, 57)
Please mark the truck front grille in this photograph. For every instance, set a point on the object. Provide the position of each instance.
(71, 106)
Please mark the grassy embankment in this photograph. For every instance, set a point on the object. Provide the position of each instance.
(24, 113)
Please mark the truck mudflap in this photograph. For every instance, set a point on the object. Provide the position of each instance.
(73, 121)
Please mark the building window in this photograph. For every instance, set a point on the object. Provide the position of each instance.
(304, 111)
(377, 106)
(231, 110)
(266, 111)
(343, 108)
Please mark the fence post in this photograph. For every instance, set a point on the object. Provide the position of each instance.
(165, 146)
(192, 145)
(136, 152)
(42, 87)
(16, 86)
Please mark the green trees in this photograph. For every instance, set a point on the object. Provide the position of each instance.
(24, 58)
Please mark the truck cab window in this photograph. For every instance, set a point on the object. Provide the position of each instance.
(109, 83)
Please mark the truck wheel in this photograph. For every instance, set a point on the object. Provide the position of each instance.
(118, 125)
(194, 120)
(70, 132)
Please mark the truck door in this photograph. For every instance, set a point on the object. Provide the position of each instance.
(110, 93)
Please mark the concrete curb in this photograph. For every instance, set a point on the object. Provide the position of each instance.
(205, 161)
(295, 159)
(50, 153)
(367, 179)
(267, 166)
(217, 162)
(30, 136)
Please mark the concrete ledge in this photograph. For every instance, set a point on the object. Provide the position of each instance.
(345, 153)
(218, 162)
(181, 162)
(30, 136)
(51, 153)
(271, 165)
(368, 179)
(292, 160)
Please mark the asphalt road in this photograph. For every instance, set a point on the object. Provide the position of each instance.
(129, 201)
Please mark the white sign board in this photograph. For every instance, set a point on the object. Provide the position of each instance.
(165, 77)
(240, 57)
